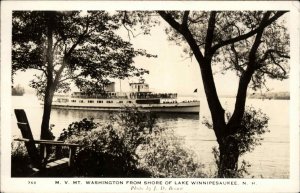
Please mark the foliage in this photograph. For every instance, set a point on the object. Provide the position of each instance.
(103, 154)
(70, 47)
(254, 44)
(165, 156)
(254, 124)
(136, 127)
(272, 54)
(249, 135)
(237, 173)
(111, 150)
(138, 22)
(131, 145)
(20, 163)
(76, 127)
(84, 48)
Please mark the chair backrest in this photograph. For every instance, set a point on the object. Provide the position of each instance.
(27, 134)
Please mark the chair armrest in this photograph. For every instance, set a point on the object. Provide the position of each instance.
(48, 142)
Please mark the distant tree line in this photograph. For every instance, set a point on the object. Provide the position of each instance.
(17, 91)
(271, 95)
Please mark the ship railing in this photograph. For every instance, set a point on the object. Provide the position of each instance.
(133, 95)
(99, 97)
(61, 95)
(153, 96)
(189, 101)
(169, 102)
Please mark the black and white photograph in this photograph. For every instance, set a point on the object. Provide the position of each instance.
(178, 98)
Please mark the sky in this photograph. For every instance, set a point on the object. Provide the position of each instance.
(170, 71)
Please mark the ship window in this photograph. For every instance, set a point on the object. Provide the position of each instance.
(109, 101)
(73, 101)
(90, 101)
(120, 101)
(80, 101)
(99, 101)
(62, 100)
(129, 102)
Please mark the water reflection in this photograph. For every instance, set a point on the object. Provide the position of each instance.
(178, 116)
(181, 123)
(82, 113)
(105, 114)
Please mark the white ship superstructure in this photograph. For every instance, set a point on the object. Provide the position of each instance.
(139, 97)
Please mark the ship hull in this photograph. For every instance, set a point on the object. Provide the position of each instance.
(190, 107)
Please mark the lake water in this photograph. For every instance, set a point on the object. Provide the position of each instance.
(270, 160)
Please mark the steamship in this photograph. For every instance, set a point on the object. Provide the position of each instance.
(139, 97)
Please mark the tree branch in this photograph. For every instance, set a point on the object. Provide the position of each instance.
(257, 41)
(130, 32)
(236, 62)
(70, 78)
(185, 18)
(80, 38)
(277, 64)
(245, 79)
(56, 43)
(269, 52)
(68, 53)
(216, 109)
(250, 33)
(196, 20)
(238, 29)
(186, 34)
(43, 70)
(169, 19)
(210, 34)
(49, 56)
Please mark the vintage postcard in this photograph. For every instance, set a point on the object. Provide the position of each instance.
(149, 96)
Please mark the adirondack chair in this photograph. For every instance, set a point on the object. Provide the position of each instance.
(39, 159)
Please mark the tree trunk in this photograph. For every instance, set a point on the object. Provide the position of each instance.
(228, 158)
(45, 131)
(50, 87)
(228, 145)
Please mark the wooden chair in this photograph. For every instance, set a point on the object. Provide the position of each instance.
(39, 159)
